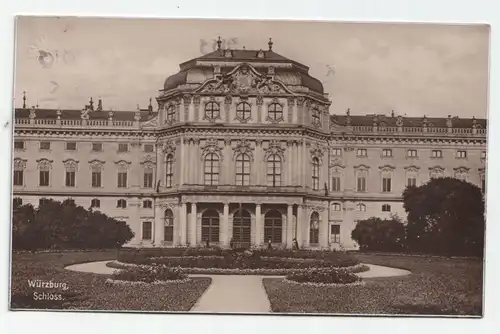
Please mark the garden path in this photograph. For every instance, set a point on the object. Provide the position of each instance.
(234, 294)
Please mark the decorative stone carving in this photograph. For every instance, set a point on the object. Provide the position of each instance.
(19, 163)
(243, 146)
(260, 54)
(58, 113)
(85, 114)
(317, 152)
(44, 163)
(259, 100)
(212, 146)
(274, 147)
(151, 123)
(96, 162)
(243, 79)
(148, 162)
(300, 101)
(387, 168)
(461, 170)
(32, 113)
(361, 167)
(270, 70)
(399, 121)
(228, 99)
(449, 121)
(290, 101)
(187, 99)
(227, 141)
(412, 169)
(123, 164)
(70, 163)
(110, 115)
(137, 116)
(196, 100)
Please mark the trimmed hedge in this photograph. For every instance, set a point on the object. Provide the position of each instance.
(324, 276)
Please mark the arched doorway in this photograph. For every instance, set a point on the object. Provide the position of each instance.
(210, 226)
(273, 226)
(242, 222)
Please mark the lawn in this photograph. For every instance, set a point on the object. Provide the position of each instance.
(437, 286)
(86, 291)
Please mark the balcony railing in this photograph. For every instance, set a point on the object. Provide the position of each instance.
(364, 129)
(76, 123)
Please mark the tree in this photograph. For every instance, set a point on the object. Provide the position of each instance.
(56, 225)
(375, 234)
(445, 216)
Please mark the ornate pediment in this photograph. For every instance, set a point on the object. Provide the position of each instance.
(317, 152)
(19, 163)
(461, 170)
(70, 163)
(361, 167)
(123, 164)
(44, 163)
(243, 146)
(412, 169)
(387, 168)
(274, 148)
(168, 147)
(243, 79)
(212, 146)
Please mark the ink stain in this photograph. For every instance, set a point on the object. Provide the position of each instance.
(45, 58)
(6, 125)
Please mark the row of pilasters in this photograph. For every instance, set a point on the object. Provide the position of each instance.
(187, 226)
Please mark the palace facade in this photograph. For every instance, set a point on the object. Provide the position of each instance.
(241, 148)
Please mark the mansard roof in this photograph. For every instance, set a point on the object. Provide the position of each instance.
(76, 114)
(384, 120)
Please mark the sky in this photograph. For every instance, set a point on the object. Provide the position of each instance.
(413, 69)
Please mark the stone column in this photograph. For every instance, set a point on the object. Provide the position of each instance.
(192, 225)
(323, 229)
(183, 224)
(259, 236)
(289, 226)
(158, 226)
(182, 164)
(300, 223)
(289, 163)
(160, 162)
(224, 229)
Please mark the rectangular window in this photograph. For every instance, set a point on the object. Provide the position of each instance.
(97, 147)
(17, 202)
(335, 234)
(71, 146)
(361, 186)
(411, 153)
(386, 185)
(362, 152)
(122, 147)
(147, 204)
(45, 145)
(437, 153)
(44, 178)
(42, 201)
(19, 145)
(412, 182)
(148, 179)
(461, 154)
(149, 148)
(96, 179)
(387, 152)
(337, 152)
(70, 178)
(18, 177)
(147, 231)
(335, 183)
(122, 179)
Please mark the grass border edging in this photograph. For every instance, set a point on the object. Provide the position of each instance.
(288, 281)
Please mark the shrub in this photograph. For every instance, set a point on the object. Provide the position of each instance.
(56, 225)
(149, 274)
(325, 276)
(375, 234)
(445, 217)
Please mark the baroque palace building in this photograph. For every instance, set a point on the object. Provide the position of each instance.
(241, 148)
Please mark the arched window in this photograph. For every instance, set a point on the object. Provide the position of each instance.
(212, 110)
(169, 171)
(121, 203)
(242, 170)
(168, 232)
(95, 203)
(274, 170)
(316, 117)
(243, 111)
(336, 207)
(386, 208)
(170, 114)
(315, 173)
(275, 112)
(273, 226)
(211, 169)
(361, 207)
(242, 226)
(210, 226)
(314, 228)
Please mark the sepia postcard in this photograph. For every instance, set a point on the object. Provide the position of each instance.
(251, 167)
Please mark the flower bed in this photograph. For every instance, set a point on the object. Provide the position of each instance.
(327, 276)
(236, 271)
(149, 274)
